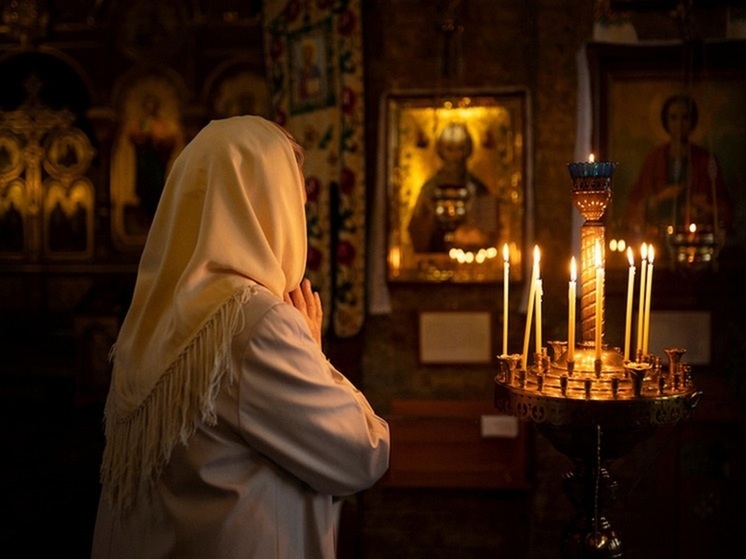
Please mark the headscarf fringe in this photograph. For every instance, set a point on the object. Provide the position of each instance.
(139, 444)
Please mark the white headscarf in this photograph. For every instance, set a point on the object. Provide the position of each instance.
(231, 214)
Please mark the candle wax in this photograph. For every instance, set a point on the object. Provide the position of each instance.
(506, 282)
(571, 304)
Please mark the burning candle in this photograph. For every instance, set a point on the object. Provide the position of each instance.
(648, 289)
(395, 257)
(591, 169)
(539, 292)
(630, 296)
(530, 310)
(571, 301)
(506, 281)
(599, 298)
(641, 305)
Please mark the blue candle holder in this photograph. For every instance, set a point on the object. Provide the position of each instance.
(587, 169)
(591, 176)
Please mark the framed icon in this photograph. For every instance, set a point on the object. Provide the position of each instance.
(457, 171)
(670, 127)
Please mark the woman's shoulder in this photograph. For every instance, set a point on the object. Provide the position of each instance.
(262, 303)
(268, 317)
(260, 300)
(257, 306)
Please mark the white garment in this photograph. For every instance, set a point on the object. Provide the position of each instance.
(292, 432)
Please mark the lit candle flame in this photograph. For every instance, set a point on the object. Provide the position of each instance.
(651, 254)
(630, 256)
(573, 269)
(591, 158)
(644, 251)
(395, 256)
(506, 253)
(537, 255)
(693, 228)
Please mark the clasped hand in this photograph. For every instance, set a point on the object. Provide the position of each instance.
(308, 302)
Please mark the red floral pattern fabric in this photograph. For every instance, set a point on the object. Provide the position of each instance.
(315, 67)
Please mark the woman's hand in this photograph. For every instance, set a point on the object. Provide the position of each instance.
(308, 302)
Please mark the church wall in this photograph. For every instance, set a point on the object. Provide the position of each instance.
(533, 45)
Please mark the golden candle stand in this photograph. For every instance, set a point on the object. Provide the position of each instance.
(597, 407)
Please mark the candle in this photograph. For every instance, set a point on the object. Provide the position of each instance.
(630, 296)
(530, 310)
(538, 315)
(646, 333)
(641, 306)
(591, 169)
(395, 260)
(571, 301)
(506, 281)
(599, 298)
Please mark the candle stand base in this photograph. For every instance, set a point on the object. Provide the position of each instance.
(594, 418)
(590, 535)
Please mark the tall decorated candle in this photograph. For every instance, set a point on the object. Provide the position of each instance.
(591, 193)
(630, 297)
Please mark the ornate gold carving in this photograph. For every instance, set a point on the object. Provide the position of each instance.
(43, 162)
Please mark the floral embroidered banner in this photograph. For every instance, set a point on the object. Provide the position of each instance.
(314, 61)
